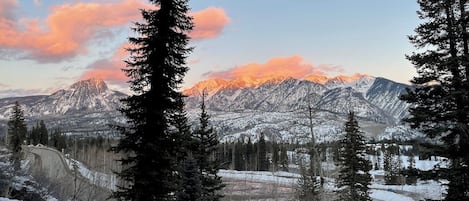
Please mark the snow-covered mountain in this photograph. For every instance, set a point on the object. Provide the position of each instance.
(85, 106)
(375, 99)
(240, 107)
(279, 106)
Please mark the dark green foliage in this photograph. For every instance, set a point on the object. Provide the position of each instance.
(238, 156)
(440, 101)
(16, 134)
(391, 169)
(206, 141)
(39, 134)
(250, 155)
(43, 134)
(411, 173)
(275, 156)
(283, 158)
(263, 163)
(191, 184)
(156, 67)
(354, 176)
(58, 140)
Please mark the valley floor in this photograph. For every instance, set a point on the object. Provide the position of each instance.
(256, 185)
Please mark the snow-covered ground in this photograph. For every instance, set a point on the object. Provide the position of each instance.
(108, 181)
(422, 190)
(388, 196)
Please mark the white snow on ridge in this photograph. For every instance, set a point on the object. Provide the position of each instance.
(388, 196)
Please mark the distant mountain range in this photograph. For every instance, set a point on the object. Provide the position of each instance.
(246, 107)
(86, 106)
(240, 108)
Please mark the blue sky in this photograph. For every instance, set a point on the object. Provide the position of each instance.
(365, 36)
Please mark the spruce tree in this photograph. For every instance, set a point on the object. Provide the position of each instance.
(191, 183)
(34, 135)
(238, 155)
(206, 140)
(249, 155)
(284, 158)
(354, 176)
(17, 132)
(440, 99)
(275, 156)
(262, 162)
(156, 67)
(43, 133)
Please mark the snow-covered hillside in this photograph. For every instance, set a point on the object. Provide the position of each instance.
(278, 108)
(87, 105)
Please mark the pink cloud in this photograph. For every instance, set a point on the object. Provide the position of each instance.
(209, 23)
(64, 33)
(66, 30)
(6, 9)
(293, 66)
(109, 69)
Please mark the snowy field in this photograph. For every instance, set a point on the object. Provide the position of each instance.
(421, 191)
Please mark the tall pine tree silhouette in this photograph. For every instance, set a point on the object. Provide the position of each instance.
(354, 177)
(156, 67)
(206, 141)
(440, 100)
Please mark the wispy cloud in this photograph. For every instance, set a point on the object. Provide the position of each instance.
(23, 92)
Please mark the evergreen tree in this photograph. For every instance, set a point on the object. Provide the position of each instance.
(43, 133)
(16, 134)
(156, 67)
(58, 140)
(191, 184)
(35, 135)
(440, 100)
(262, 162)
(249, 155)
(275, 156)
(391, 170)
(411, 171)
(308, 185)
(284, 158)
(207, 142)
(354, 176)
(238, 155)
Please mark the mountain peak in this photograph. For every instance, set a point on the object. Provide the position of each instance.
(92, 84)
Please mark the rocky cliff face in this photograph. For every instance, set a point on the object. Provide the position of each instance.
(375, 99)
(84, 106)
(239, 108)
(279, 106)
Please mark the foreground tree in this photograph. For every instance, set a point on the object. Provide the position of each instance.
(156, 67)
(440, 100)
(354, 176)
(191, 184)
(16, 134)
(206, 141)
